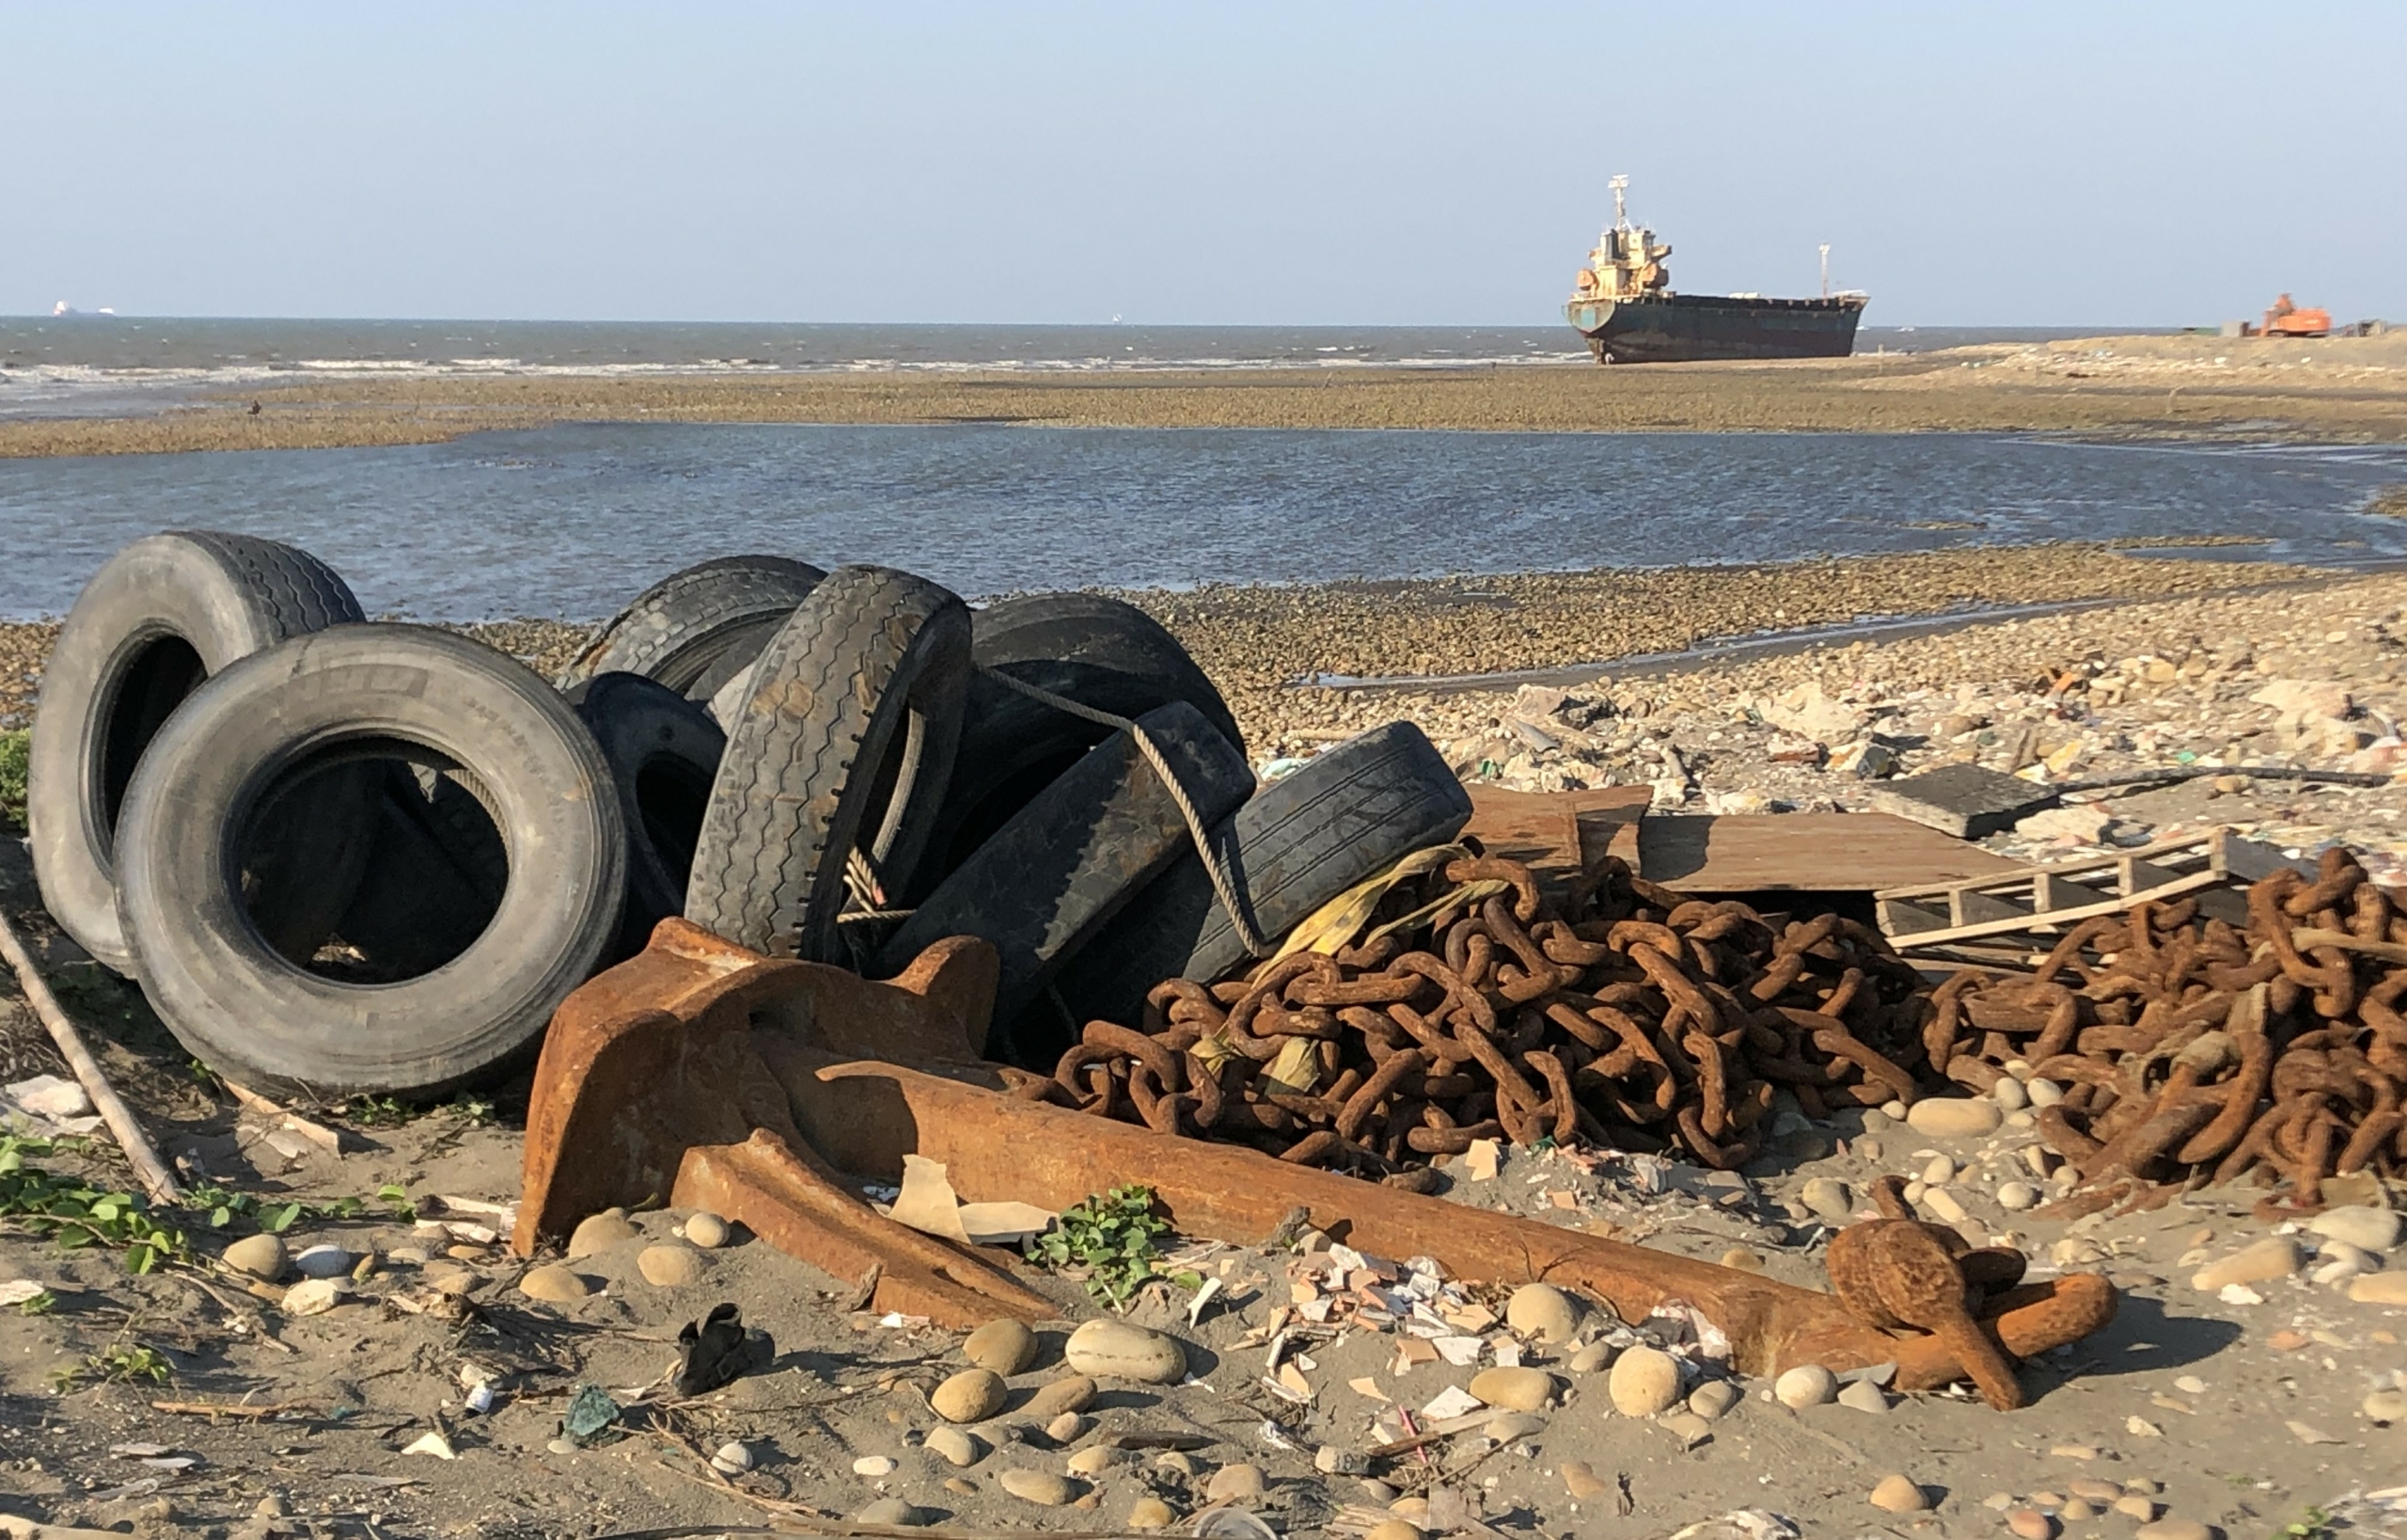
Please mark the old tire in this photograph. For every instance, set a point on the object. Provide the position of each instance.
(695, 630)
(664, 751)
(367, 693)
(161, 616)
(1300, 841)
(1061, 867)
(1098, 652)
(844, 741)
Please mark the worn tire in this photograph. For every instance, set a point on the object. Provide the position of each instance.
(696, 629)
(844, 741)
(161, 616)
(1061, 867)
(352, 694)
(664, 751)
(1098, 652)
(1348, 815)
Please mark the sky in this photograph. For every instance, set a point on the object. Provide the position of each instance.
(2117, 162)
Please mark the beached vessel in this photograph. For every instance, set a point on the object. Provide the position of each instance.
(1622, 302)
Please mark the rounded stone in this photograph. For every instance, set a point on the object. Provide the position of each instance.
(960, 1488)
(669, 1266)
(262, 1256)
(1829, 1199)
(2043, 1092)
(1954, 1117)
(2385, 1406)
(1240, 1482)
(1507, 1426)
(1945, 1203)
(1897, 1494)
(323, 1262)
(1042, 1488)
(1119, 1350)
(1007, 1348)
(1938, 1172)
(956, 1447)
(1056, 1396)
(1864, 1396)
(1523, 1390)
(2014, 1197)
(1151, 1512)
(2030, 1523)
(1742, 1259)
(1392, 1529)
(2379, 1288)
(2010, 1094)
(2373, 1230)
(314, 1295)
(892, 1511)
(554, 1284)
(2132, 1505)
(1686, 1427)
(1065, 1428)
(2275, 1256)
(1713, 1399)
(1543, 1311)
(705, 1230)
(2076, 1508)
(1645, 1380)
(734, 1458)
(2169, 1527)
(599, 1233)
(874, 1466)
(1175, 1462)
(1592, 1358)
(1807, 1385)
(971, 1396)
(2094, 1489)
(1092, 1461)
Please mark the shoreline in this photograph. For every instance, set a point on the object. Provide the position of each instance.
(2337, 390)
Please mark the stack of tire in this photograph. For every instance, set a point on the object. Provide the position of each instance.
(344, 856)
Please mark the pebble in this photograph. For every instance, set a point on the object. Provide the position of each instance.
(262, 1256)
(1392, 1529)
(1065, 1428)
(554, 1284)
(2385, 1407)
(1543, 1311)
(1944, 1204)
(1006, 1347)
(669, 1266)
(1939, 1172)
(1864, 1396)
(1042, 1488)
(2014, 1197)
(971, 1396)
(1688, 1427)
(2010, 1094)
(563, 1446)
(2029, 1523)
(1645, 1380)
(1742, 1259)
(1581, 1481)
(1378, 1491)
(2092, 1489)
(1056, 1396)
(2132, 1505)
(1094, 1460)
(1896, 1493)
(2173, 1529)
(407, 1256)
(1713, 1399)
(2368, 1229)
(1151, 1512)
(1808, 1385)
(2076, 1508)
(960, 1488)
(314, 1295)
(598, 1232)
(705, 1230)
(1954, 1117)
(2275, 1256)
(1522, 1389)
(2043, 1092)
(956, 1447)
(892, 1511)
(732, 1459)
(1176, 1462)
(1119, 1350)
(872, 1466)
(1592, 1358)
(323, 1262)
(1827, 1198)
(2379, 1289)
(1239, 1482)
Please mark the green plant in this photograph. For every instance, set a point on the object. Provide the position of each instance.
(77, 1216)
(2316, 1524)
(120, 1363)
(16, 746)
(378, 1113)
(1108, 1242)
(40, 1304)
(396, 1199)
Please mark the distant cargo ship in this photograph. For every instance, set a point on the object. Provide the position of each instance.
(1622, 302)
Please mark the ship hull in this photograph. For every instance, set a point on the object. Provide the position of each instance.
(1685, 328)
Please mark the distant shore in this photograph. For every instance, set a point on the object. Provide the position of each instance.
(2347, 390)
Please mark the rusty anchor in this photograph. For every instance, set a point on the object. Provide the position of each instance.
(767, 1090)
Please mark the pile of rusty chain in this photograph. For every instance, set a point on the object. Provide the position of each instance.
(2192, 1052)
(1632, 1018)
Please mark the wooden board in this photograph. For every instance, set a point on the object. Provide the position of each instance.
(1558, 834)
(1749, 853)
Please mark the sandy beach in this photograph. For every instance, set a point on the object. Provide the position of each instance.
(2341, 389)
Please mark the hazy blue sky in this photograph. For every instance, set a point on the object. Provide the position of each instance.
(2028, 163)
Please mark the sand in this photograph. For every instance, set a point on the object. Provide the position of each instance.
(2350, 389)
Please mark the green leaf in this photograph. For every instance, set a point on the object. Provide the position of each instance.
(278, 1221)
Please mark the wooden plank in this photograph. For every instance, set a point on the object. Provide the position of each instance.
(1749, 853)
(1558, 834)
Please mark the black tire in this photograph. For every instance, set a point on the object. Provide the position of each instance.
(1349, 814)
(844, 742)
(694, 630)
(1063, 865)
(664, 751)
(353, 694)
(1098, 652)
(161, 616)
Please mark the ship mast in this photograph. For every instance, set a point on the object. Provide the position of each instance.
(1621, 216)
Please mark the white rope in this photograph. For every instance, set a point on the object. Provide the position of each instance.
(1222, 884)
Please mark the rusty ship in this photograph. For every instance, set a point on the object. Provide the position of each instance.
(1623, 303)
